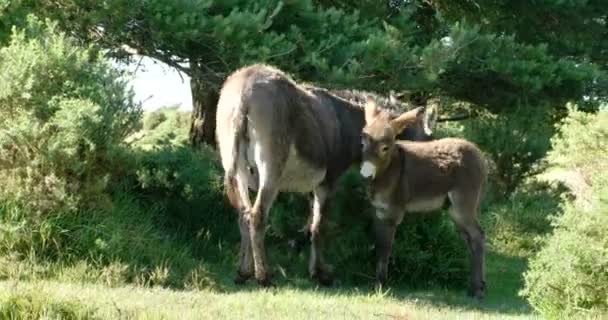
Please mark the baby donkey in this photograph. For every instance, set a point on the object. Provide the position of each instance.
(409, 176)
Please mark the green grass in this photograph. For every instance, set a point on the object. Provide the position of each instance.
(81, 301)
(296, 298)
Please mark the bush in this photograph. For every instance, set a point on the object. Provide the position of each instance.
(187, 185)
(514, 142)
(512, 224)
(63, 114)
(76, 202)
(570, 274)
(166, 125)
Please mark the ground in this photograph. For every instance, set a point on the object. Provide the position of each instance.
(289, 300)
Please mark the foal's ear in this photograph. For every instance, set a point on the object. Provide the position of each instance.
(406, 119)
(371, 109)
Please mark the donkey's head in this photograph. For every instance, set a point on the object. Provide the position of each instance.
(379, 136)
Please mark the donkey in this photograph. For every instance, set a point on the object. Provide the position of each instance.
(406, 176)
(276, 135)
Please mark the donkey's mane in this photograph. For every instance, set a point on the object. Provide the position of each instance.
(359, 97)
(355, 98)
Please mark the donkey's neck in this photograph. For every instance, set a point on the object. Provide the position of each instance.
(387, 179)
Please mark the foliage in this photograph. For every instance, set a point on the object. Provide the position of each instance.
(515, 142)
(165, 126)
(62, 114)
(491, 60)
(570, 274)
(581, 144)
(482, 52)
(514, 223)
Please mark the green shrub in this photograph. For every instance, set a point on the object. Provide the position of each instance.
(570, 273)
(514, 141)
(153, 119)
(187, 184)
(63, 113)
(166, 125)
(512, 224)
(77, 204)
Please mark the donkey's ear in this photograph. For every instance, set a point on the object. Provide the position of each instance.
(371, 109)
(406, 119)
(401, 96)
(393, 98)
(431, 115)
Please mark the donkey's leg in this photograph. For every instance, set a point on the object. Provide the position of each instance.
(270, 163)
(257, 225)
(464, 214)
(384, 230)
(317, 267)
(245, 270)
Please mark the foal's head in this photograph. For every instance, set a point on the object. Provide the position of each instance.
(379, 136)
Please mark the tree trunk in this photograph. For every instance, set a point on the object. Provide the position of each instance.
(204, 106)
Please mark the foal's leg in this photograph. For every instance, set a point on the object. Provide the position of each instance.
(384, 230)
(464, 214)
(317, 268)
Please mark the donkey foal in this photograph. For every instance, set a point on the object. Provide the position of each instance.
(417, 176)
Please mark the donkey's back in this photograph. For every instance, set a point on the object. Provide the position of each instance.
(437, 167)
(266, 129)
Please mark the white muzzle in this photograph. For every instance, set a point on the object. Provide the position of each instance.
(368, 169)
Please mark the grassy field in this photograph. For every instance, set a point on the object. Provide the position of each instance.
(297, 299)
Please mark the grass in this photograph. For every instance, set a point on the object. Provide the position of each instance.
(296, 299)
(82, 301)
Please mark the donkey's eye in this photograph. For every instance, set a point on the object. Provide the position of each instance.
(384, 149)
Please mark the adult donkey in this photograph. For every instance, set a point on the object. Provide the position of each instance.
(276, 135)
(418, 176)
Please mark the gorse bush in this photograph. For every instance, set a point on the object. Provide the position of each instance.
(63, 116)
(570, 274)
(63, 113)
(188, 186)
(167, 125)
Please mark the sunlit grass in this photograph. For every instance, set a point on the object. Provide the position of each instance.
(80, 301)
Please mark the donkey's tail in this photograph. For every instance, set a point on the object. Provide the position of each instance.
(239, 131)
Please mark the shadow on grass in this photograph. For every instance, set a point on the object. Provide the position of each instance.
(503, 277)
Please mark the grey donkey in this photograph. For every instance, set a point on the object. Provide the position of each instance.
(405, 176)
(277, 135)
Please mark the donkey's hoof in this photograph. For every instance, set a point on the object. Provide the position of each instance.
(265, 282)
(323, 278)
(380, 286)
(476, 293)
(241, 278)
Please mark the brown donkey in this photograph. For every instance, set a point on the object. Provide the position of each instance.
(417, 176)
(276, 135)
